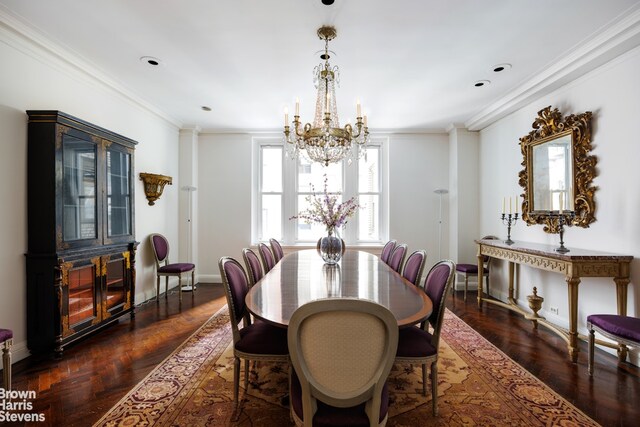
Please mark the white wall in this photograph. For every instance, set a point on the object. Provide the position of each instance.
(32, 79)
(612, 93)
(418, 164)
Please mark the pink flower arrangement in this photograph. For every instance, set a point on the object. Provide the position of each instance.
(326, 210)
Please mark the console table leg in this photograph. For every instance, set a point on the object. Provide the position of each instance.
(621, 296)
(480, 277)
(572, 284)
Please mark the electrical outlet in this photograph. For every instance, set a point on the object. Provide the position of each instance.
(553, 310)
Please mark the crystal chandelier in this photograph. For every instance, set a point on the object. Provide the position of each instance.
(325, 141)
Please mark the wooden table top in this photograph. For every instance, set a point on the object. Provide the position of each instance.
(302, 277)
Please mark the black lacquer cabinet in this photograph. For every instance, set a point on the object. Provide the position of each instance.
(81, 243)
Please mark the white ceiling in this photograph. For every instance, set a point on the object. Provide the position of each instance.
(412, 63)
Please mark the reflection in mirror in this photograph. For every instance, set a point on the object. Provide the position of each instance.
(552, 171)
(558, 171)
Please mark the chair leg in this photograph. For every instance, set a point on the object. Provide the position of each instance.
(180, 286)
(592, 347)
(166, 287)
(246, 375)
(466, 285)
(6, 364)
(193, 280)
(424, 379)
(158, 290)
(434, 387)
(236, 380)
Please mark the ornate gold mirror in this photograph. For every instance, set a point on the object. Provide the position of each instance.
(558, 171)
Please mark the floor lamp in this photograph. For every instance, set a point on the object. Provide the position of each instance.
(440, 192)
(190, 189)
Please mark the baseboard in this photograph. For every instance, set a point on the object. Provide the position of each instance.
(210, 278)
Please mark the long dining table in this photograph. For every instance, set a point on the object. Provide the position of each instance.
(302, 277)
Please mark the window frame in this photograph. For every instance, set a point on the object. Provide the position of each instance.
(290, 194)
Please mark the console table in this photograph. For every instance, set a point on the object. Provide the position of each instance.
(574, 264)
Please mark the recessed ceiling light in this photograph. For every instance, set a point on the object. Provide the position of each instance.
(205, 108)
(327, 2)
(501, 67)
(481, 83)
(151, 60)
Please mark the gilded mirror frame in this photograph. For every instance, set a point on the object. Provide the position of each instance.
(548, 126)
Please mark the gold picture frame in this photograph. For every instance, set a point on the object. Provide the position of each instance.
(558, 172)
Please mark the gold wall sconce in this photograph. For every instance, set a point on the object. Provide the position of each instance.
(153, 185)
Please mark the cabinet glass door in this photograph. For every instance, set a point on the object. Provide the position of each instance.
(116, 285)
(118, 193)
(82, 295)
(79, 189)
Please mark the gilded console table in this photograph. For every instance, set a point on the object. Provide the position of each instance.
(574, 264)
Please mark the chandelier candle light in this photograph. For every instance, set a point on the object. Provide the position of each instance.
(509, 219)
(325, 141)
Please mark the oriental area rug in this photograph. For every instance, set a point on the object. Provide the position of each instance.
(477, 385)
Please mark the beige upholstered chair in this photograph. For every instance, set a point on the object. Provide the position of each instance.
(254, 341)
(342, 351)
(416, 345)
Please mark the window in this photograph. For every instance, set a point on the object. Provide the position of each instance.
(281, 187)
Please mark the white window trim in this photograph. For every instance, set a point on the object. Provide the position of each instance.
(289, 187)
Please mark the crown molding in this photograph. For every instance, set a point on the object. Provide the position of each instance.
(30, 41)
(608, 43)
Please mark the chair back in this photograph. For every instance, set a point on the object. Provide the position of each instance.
(387, 250)
(160, 247)
(267, 257)
(234, 280)
(436, 286)
(276, 248)
(413, 267)
(254, 269)
(397, 257)
(342, 351)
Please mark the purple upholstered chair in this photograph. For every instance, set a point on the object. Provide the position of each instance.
(472, 270)
(6, 339)
(332, 384)
(276, 248)
(254, 269)
(415, 344)
(623, 329)
(254, 341)
(386, 250)
(267, 257)
(413, 267)
(397, 257)
(160, 247)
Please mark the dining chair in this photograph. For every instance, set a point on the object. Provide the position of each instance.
(625, 330)
(254, 268)
(6, 340)
(267, 257)
(472, 270)
(416, 345)
(254, 341)
(386, 250)
(397, 257)
(413, 267)
(160, 247)
(276, 248)
(341, 352)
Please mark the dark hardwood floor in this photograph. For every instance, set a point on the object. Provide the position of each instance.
(95, 373)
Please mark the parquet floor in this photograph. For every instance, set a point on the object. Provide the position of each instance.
(96, 372)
